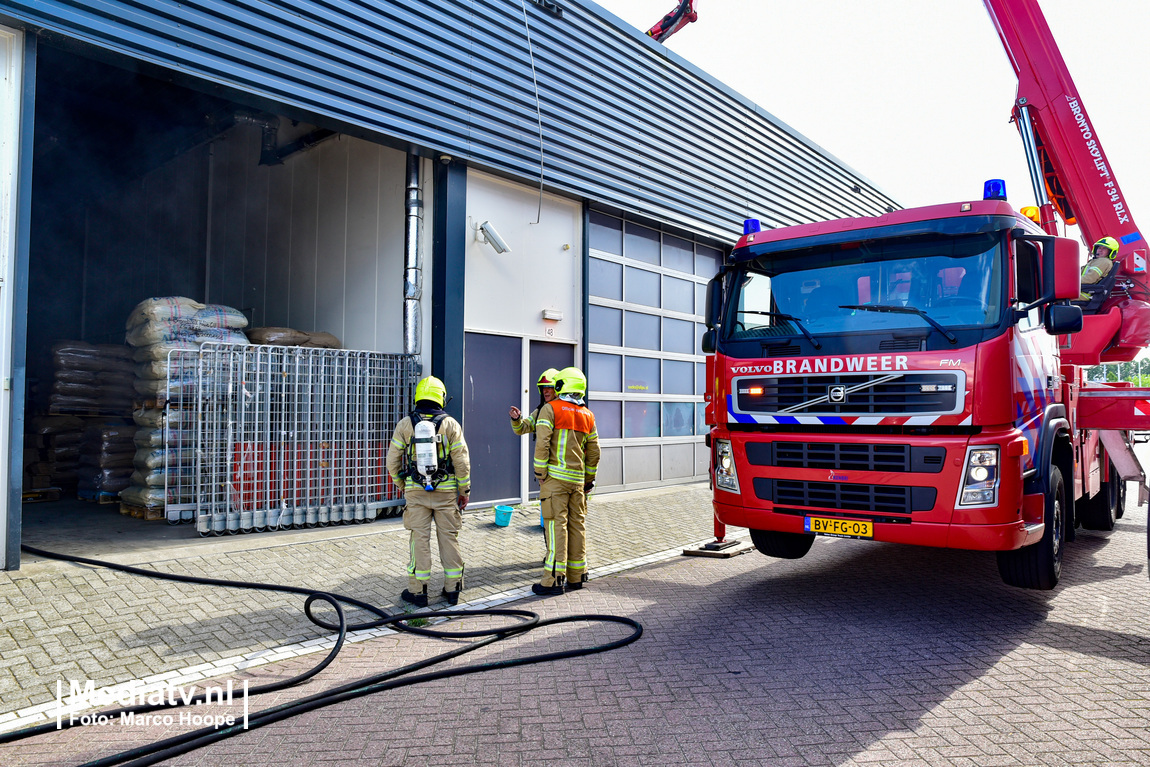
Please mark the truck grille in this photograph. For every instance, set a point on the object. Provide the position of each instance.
(886, 499)
(890, 394)
(846, 456)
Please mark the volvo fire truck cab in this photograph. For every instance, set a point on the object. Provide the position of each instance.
(898, 379)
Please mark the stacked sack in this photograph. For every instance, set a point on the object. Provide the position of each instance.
(92, 377)
(291, 337)
(106, 454)
(155, 328)
(158, 433)
(159, 326)
(52, 452)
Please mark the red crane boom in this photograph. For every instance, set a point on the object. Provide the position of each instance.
(683, 15)
(1072, 175)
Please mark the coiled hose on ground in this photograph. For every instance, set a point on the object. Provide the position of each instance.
(388, 680)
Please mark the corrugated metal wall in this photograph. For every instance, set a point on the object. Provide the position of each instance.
(625, 122)
(315, 243)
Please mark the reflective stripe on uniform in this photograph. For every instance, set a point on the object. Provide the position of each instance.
(549, 561)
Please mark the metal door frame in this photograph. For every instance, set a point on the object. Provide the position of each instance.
(529, 400)
(17, 101)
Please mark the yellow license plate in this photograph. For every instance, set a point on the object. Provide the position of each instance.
(840, 528)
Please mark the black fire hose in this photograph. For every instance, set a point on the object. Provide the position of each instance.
(401, 677)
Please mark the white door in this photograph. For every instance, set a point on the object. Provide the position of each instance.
(11, 87)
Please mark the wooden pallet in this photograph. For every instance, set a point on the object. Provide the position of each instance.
(149, 513)
(40, 496)
(103, 498)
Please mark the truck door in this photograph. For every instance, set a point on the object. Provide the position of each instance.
(1034, 352)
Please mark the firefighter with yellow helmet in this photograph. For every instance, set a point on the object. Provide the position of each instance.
(566, 457)
(428, 458)
(1101, 262)
(525, 424)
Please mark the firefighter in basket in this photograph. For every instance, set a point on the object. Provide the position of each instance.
(566, 458)
(521, 424)
(1100, 264)
(428, 459)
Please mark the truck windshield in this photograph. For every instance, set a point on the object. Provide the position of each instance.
(955, 281)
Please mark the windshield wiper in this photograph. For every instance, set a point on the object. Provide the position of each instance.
(902, 310)
(792, 318)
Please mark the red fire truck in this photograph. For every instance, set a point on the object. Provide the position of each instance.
(919, 377)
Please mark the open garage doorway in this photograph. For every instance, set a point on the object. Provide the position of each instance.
(145, 187)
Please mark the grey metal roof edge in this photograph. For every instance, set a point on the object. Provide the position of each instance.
(678, 60)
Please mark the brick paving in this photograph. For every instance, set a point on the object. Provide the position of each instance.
(858, 654)
(64, 621)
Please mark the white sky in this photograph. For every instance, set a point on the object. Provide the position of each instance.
(916, 94)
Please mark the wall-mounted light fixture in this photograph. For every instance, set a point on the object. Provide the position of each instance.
(552, 314)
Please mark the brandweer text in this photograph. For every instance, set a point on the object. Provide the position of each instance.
(828, 365)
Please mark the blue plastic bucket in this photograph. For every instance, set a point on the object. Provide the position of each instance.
(503, 515)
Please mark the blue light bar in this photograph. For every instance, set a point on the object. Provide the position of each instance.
(751, 225)
(994, 189)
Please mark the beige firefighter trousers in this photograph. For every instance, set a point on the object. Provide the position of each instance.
(422, 508)
(564, 507)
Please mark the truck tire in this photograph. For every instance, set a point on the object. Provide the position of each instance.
(1121, 509)
(782, 545)
(1039, 565)
(1101, 511)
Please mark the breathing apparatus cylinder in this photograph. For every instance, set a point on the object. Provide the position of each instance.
(426, 459)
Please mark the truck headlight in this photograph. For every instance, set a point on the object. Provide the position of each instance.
(725, 476)
(980, 480)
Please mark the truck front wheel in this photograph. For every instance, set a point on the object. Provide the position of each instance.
(1038, 565)
(782, 545)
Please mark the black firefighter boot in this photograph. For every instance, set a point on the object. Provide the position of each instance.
(549, 591)
(419, 600)
(453, 595)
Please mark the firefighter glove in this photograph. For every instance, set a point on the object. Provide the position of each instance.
(462, 502)
(587, 486)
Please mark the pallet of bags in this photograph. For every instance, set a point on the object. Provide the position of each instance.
(155, 329)
(52, 452)
(91, 379)
(106, 460)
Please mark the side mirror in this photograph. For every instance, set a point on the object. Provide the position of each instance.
(708, 342)
(1065, 267)
(1063, 319)
(1061, 278)
(714, 301)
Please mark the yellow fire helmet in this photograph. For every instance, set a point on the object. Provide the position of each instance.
(547, 378)
(431, 389)
(571, 381)
(1107, 242)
